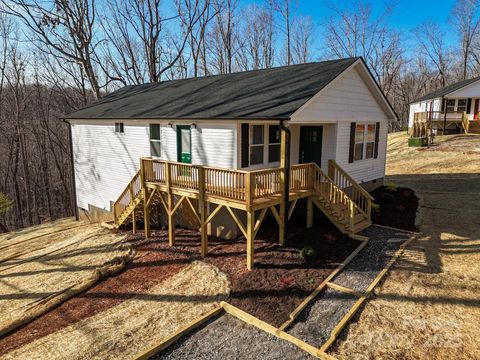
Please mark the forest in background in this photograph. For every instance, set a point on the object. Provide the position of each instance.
(58, 55)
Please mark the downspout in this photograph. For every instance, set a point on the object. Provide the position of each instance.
(72, 169)
(286, 171)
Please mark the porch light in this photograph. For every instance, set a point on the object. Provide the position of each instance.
(193, 125)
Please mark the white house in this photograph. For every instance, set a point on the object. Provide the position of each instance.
(334, 110)
(451, 109)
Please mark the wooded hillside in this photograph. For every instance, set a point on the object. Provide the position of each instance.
(57, 55)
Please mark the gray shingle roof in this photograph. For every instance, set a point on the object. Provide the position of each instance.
(447, 90)
(274, 93)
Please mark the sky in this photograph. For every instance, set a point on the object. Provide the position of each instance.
(407, 14)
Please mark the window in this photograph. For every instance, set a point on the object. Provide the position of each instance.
(257, 140)
(155, 140)
(370, 141)
(119, 128)
(461, 105)
(359, 141)
(273, 143)
(450, 105)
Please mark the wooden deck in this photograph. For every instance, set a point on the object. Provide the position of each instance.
(170, 184)
(424, 122)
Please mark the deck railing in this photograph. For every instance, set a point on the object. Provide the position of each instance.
(130, 192)
(337, 188)
(361, 198)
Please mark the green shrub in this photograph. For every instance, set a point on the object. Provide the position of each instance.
(375, 207)
(308, 253)
(391, 187)
(5, 203)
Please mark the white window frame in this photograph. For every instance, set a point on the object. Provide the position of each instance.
(159, 141)
(364, 142)
(275, 143)
(119, 128)
(252, 145)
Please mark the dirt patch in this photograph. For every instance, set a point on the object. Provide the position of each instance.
(397, 207)
(402, 159)
(153, 263)
(138, 323)
(34, 282)
(467, 144)
(428, 305)
(226, 337)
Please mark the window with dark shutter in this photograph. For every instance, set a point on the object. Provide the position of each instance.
(244, 146)
(469, 105)
(155, 140)
(377, 138)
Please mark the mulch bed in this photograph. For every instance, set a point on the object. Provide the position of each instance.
(279, 282)
(397, 207)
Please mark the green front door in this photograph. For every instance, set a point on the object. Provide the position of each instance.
(311, 145)
(184, 144)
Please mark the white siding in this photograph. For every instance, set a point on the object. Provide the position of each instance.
(105, 161)
(353, 97)
(470, 91)
(348, 98)
(366, 169)
(215, 145)
(422, 107)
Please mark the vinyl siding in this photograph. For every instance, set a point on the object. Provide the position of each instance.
(366, 169)
(350, 98)
(105, 161)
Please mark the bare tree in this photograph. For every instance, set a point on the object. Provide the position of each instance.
(302, 33)
(63, 29)
(284, 9)
(430, 38)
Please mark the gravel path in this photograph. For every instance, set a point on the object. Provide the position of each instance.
(317, 321)
(373, 258)
(227, 338)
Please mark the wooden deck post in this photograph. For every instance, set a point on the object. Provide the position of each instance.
(146, 211)
(134, 220)
(202, 207)
(250, 239)
(170, 205)
(283, 210)
(309, 212)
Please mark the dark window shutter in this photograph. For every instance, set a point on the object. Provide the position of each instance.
(444, 105)
(352, 142)
(377, 138)
(469, 105)
(244, 146)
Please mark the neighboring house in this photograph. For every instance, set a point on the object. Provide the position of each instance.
(334, 110)
(451, 109)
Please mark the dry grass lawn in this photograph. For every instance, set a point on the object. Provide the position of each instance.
(136, 324)
(429, 305)
(42, 266)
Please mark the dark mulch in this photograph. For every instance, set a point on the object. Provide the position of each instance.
(279, 282)
(397, 207)
(150, 266)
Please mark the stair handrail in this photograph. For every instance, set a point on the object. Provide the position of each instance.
(127, 196)
(354, 190)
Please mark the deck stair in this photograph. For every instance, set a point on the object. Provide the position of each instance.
(129, 206)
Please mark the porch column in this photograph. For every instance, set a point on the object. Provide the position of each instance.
(284, 182)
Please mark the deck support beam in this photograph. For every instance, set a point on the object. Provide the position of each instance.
(250, 239)
(170, 205)
(202, 208)
(309, 212)
(146, 213)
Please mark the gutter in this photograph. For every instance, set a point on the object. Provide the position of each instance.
(72, 168)
(286, 171)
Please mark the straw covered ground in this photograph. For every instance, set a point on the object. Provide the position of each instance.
(138, 323)
(45, 265)
(428, 307)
